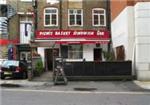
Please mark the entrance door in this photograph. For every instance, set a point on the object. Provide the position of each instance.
(97, 54)
(49, 58)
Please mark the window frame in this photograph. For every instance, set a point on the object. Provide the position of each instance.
(26, 0)
(50, 14)
(99, 20)
(73, 51)
(75, 14)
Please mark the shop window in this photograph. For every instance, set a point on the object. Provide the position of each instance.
(25, 55)
(72, 51)
(51, 17)
(75, 51)
(64, 51)
(99, 17)
(75, 17)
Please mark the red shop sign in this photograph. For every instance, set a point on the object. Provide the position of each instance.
(63, 34)
(6, 41)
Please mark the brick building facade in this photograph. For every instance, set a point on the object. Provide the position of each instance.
(18, 13)
(89, 17)
(71, 16)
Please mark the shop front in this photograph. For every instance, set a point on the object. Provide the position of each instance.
(73, 45)
(8, 49)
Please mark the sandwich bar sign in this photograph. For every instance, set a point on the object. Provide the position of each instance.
(64, 34)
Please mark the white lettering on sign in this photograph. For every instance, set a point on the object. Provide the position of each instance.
(99, 33)
(63, 33)
(83, 33)
(46, 33)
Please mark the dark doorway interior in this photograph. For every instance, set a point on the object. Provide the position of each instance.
(97, 54)
(49, 58)
(120, 52)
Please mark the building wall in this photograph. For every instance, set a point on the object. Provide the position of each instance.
(13, 28)
(117, 6)
(88, 5)
(142, 34)
(123, 31)
(14, 22)
(42, 4)
(128, 29)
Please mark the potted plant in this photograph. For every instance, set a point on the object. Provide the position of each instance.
(38, 67)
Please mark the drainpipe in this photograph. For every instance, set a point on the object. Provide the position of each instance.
(35, 5)
(108, 14)
(60, 14)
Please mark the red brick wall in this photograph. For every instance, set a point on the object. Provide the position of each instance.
(117, 6)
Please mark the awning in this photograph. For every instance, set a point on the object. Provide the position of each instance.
(46, 38)
(81, 42)
(48, 43)
(6, 41)
(71, 34)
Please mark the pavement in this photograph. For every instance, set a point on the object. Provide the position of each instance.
(143, 84)
(44, 82)
(113, 86)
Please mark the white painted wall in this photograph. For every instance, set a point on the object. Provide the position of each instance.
(40, 51)
(142, 34)
(132, 29)
(123, 31)
(88, 52)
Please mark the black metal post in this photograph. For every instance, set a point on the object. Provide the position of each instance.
(108, 14)
(60, 14)
(35, 5)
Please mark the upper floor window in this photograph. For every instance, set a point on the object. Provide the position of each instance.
(26, 0)
(99, 17)
(51, 17)
(2, 1)
(75, 17)
(52, 1)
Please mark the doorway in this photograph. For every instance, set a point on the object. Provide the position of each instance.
(97, 54)
(120, 52)
(49, 58)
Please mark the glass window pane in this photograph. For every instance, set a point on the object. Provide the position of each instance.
(47, 19)
(78, 11)
(99, 11)
(102, 19)
(79, 19)
(72, 19)
(50, 11)
(71, 11)
(54, 19)
(95, 19)
(75, 51)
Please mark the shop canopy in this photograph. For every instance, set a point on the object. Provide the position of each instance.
(72, 37)
(6, 41)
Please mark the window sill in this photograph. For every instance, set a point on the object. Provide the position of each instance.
(74, 60)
